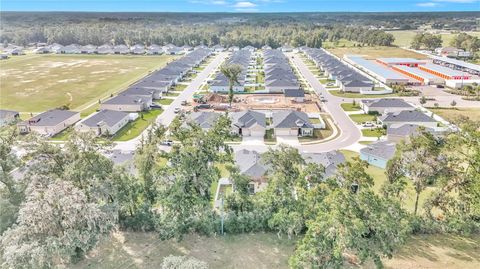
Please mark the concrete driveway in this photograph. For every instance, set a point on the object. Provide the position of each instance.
(253, 141)
(288, 140)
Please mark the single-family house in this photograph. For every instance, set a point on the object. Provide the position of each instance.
(121, 49)
(356, 86)
(399, 132)
(129, 103)
(57, 48)
(378, 153)
(154, 49)
(330, 160)
(41, 50)
(249, 123)
(88, 49)
(105, 49)
(204, 119)
(407, 117)
(291, 123)
(297, 95)
(8, 117)
(250, 164)
(138, 49)
(385, 105)
(72, 49)
(104, 122)
(50, 122)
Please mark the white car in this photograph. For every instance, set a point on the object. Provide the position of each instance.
(368, 124)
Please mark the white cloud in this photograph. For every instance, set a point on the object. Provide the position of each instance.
(457, 1)
(208, 2)
(427, 4)
(244, 4)
(247, 10)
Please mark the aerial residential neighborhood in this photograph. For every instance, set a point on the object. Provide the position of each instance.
(239, 134)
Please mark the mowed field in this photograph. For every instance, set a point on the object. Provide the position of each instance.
(265, 250)
(404, 38)
(377, 52)
(35, 83)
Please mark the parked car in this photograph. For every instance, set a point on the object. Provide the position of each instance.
(203, 106)
(184, 103)
(330, 84)
(368, 124)
(156, 106)
(440, 86)
(167, 143)
(177, 110)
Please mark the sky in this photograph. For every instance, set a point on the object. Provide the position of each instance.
(240, 5)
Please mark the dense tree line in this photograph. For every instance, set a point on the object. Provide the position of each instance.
(130, 33)
(467, 42)
(72, 195)
(426, 41)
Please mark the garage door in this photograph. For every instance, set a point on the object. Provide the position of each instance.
(285, 132)
(257, 133)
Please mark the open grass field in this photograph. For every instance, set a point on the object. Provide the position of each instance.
(452, 115)
(404, 38)
(377, 52)
(34, 83)
(264, 250)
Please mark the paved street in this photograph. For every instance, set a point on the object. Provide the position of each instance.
(168, 115)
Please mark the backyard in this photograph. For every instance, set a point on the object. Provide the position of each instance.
(35, 83)
(136, 127)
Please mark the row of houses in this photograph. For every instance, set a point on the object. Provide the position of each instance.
(254, 123)
(401, 121)
(347, 78)
(117, 111)
(279, 75)
(243, 58)
(138, 49)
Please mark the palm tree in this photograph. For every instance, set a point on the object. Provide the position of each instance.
(231, 71)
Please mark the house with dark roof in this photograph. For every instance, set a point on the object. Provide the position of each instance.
(121, 49)
(128, 103)
(8, 117)
(356, 85)
(249, 123)
(297, 95)
(378, 153)
(407, 117)
(250, 164)
(105, 49)
(385, 105)
(49, 123)
(204, 119)
(399, 132)
(291, 123)
(104, 122)
(330, 160)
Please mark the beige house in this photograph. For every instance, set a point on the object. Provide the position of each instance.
(249, 123)
(49, 123)
(128, 103)
(104, 122)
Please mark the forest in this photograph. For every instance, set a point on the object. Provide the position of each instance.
(71, 196)
(227, 29)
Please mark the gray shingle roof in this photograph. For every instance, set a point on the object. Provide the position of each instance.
(248, 118)
(381, 149)
(387, 102)
(249, 163)
(329, 160)
(127, 100)
(291, 119)
(204, 119)
(405, 129)
(51, 117)
(7, 113)
(406, 116)
(108, 117)
(293, 93)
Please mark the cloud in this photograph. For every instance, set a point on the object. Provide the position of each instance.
(247, 10)
(427, 4)
(457, 1)
(208, 2)
(244, 5)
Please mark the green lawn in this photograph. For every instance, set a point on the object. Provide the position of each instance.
(165, 101)
(377, 132)
(359, 118)
(41, 82)
(266, 250)
(340, 93)
(377, 52)
(179, 87)
(350, 107)
(63, 135)
(174, 94)
(136, 127)
(404, 38)
(452, 115)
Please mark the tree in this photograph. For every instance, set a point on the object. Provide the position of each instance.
(350, 220)
(426, 40)
(453, 103)
(420, 161)
(231, 71)
(423, 100)
(56, 224)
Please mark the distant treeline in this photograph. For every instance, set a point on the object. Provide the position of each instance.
(227, 29)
